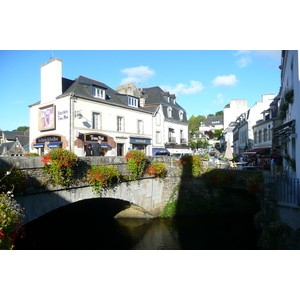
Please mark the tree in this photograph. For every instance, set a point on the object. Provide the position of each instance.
(194, 123)
(219, 113)
(218, 133)
(22, 128)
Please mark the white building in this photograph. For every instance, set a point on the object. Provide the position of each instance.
(286, 135)
(169, 125)
(233, 111)
(75, 113)
(78, 112)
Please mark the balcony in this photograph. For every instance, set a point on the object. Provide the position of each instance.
(183, 141)
(172, 140)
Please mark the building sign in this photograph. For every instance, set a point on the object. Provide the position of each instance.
(95, 138)
(46, 117)
(62, 115)
(48, 139)
(140, 141)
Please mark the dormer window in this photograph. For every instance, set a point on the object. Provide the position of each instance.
(180, 115)
(132, 101)
(169, 112)
(99, 93)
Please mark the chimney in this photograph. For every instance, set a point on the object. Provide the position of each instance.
(142, 102)
(51, 80)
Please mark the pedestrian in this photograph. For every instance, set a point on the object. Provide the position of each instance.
(272, 156)
(88, 150)
(97, 149)
(278, 160)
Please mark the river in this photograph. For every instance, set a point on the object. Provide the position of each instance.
(184, 233)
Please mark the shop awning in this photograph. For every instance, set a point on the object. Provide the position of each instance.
(158, 151)
(38, 145)
(255, 151)
(103, 145)
(54, 145)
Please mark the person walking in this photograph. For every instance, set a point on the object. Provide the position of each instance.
(97, 149)
(88, 150)
(272, 165)
(278, 160)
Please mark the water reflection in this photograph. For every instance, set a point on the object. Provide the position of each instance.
(191, 233)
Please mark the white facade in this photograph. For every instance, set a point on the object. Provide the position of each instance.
(75, 113)
(236, 108)
(290, 80)
(74, 121)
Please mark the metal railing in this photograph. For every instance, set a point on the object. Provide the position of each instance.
(285, 189)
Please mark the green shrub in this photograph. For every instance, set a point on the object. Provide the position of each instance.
(157, 169)
(102, 176)
(59, 165)
(136, 162)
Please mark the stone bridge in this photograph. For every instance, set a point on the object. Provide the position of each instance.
(144, 198)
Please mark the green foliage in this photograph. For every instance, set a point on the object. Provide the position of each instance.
(218, 179)
(31, 154)
(291, 162)
(194, 123)
(218, 133)
(59, 165)
(13, 180)
(157, 169)
(102, 176)
(200, 143)
(191, 165)
(289, 96)
(22, 128)
(11, 214)
(136, 162)
(254, 184)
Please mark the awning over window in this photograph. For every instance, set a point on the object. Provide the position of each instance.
(54, 145)
(255, 151)
(160, 151)
(38, 145)
(103, 145)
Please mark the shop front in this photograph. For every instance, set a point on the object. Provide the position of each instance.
(107, 142)
(140, 144)
(48, 142)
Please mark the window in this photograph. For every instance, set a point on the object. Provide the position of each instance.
(120, 124)
(157, 119)
(181, 115)
(265, 135)
(158, 137)
(132, 101)
(99, 93)
(171, 134)
(169, 112)
(96, 120)
(140, 126)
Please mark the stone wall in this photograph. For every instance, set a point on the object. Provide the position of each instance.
(150, 194)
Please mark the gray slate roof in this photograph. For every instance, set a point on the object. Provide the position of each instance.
(155, 96)
(213, 121)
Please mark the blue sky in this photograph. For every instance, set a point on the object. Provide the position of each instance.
(204, 81)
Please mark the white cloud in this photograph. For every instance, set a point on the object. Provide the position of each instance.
(243, 61)
(183, 89)
(220, 99)
(225, 80)
(245, 56)
(137, 75)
